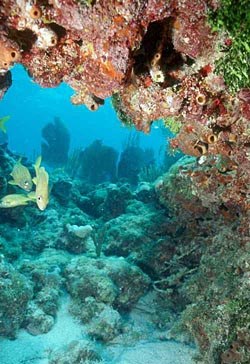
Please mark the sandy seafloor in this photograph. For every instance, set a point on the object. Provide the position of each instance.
(28, 349)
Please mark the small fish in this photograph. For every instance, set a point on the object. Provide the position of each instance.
(21, 176)
(2, 123)
(42, 185)
(14, 200)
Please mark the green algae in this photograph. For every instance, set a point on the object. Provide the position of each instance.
(173, 124)
(233, 19)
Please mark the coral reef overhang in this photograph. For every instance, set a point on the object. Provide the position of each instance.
(104, 47)
(157, 58)
(88, 45)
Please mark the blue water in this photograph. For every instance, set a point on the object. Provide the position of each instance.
(31, 107)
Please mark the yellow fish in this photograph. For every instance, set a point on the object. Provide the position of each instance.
(21, 176)
(14, 200)
(2, 123)
(42, 185)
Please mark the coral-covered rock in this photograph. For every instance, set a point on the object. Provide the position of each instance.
(106, 326)
(79, 239)
(145, 192)
(125, 276)
(129, 232)
(7, 160)
(218, 315)
(37, 322)
(86, 310)
(101, 291)
(15, 294)
(75, 352)
(49, 232)
(48, 300)
(85, 278)
(62, 190)
(191, 34)
(106, 280)
(214, 185)
(45, 272)
(115, 202)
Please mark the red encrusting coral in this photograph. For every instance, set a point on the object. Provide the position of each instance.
(93, 46)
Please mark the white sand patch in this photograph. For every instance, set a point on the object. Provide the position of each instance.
(168, 352)
(147, 349)
(28, 349)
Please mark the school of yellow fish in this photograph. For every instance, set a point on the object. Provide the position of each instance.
(22, 178)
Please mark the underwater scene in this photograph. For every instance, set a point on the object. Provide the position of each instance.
(125, 182)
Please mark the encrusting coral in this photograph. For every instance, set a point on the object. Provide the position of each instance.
(157, 59)
(210, 268)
